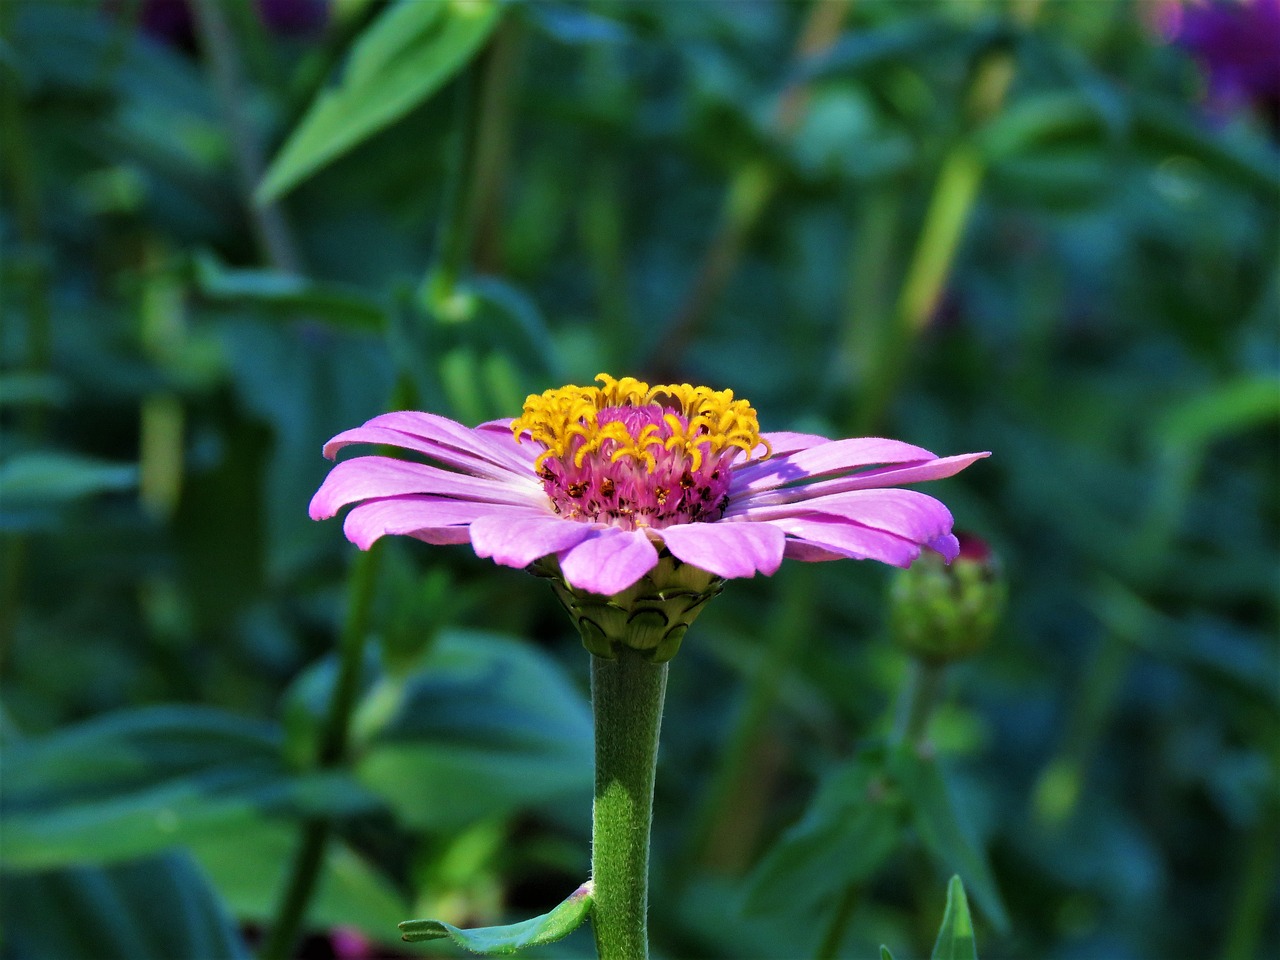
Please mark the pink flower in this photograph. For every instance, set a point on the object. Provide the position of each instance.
(603, 478)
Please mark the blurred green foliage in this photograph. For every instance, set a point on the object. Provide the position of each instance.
(971, 225)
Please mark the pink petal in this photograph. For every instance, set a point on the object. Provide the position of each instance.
(835, 456)
(367, 478)
(906, 513)
(850, 540)
(518, 541)
(526, 451)
(428, 433)
(609, 561)
(392, 516)
(938, 469)
(807, 552)
(784, 441)
(947, 545)
(727, 549)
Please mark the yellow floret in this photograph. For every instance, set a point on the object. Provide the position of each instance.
(714, 420)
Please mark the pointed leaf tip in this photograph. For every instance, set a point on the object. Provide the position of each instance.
(505, 940)
(884, 953)
(955, 937)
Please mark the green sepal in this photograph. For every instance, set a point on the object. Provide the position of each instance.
(651, 616)
(955, 936)
(502, 941)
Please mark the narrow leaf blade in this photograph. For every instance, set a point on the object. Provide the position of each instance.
(400, 60)
(504, 940)
(941, 830)
(955, 937)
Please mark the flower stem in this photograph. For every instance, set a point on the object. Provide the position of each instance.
(626, 697)
(919, 697)
(219, 47)
(308, 862)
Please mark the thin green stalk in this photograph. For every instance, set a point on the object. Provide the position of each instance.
(951, 205)
(626, 697)
(748, 196)
(719, 837)
(305, 871)
(920, 696)
(501, 68)
(20, 170)
(829, 946)
(454, 235)
(219, 47)
(1257, 884)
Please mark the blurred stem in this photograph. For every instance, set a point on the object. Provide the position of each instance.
(219, 48)
(500, 72)
(748, 195)
(920, 695)
(952, 201)
(1257, 884)
(829, 945)
(18, 165)
(626, 699)
(453, 237)
(308, 862)
(871, 264)
(719, 836)
(23, 181)
(601, 220)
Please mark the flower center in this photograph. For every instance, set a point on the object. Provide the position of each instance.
(635, 456)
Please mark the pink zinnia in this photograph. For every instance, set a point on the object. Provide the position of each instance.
(603, 478)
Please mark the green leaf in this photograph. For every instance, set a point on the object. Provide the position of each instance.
(155, 909)
(337, 305)
(849, 830)
(1241, 404)
(938, 823)
(48, 478)
(1058, 118)
(19, 389)
(955, 937)
(1162, 130)
(251, 872)
(486, 726)
(399, 61)
(501, 941)
(884, 953)
(140, 781)
(866, 50)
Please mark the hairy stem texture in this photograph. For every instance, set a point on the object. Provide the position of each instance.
(626, 695)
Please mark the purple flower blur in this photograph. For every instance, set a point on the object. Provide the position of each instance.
(1237, 42)
(601, 478)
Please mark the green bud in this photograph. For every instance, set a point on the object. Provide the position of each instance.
(940, 612)
(651, 616)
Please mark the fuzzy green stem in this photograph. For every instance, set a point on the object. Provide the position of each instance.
(626, 698)
(309, 859)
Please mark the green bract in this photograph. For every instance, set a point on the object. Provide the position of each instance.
(651, 616)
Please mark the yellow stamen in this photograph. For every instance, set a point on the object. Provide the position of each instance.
(565, 421)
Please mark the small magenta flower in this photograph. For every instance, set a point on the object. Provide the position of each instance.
(601, 479)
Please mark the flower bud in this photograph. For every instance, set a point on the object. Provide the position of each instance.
(940, 612)
(651, 616)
